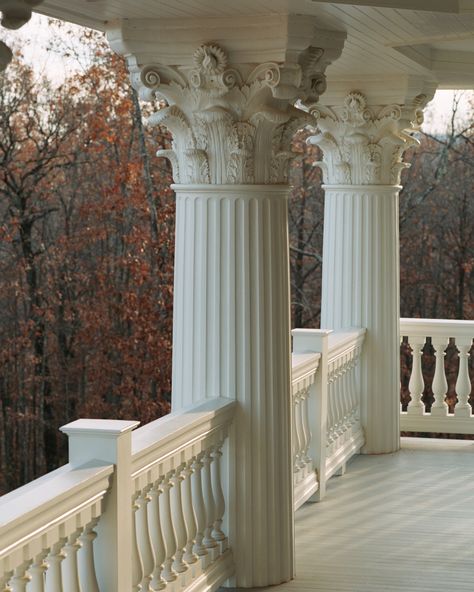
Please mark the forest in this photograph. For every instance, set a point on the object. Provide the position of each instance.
(86, 251)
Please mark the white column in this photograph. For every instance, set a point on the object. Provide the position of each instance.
(363, 148)
(232, 118)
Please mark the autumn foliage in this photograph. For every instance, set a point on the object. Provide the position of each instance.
(86, 253)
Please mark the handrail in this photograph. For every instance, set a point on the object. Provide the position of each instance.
(40, 519)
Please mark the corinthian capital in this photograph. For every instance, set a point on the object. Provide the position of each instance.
(364, 144)
(232, 119)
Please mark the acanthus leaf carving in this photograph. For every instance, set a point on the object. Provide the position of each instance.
(364, 145)
(232, 123)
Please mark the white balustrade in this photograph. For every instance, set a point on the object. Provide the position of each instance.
(326, 402)
(345, 436)
(42, 530)
(438, 419)
(177, 482)
(160, 527)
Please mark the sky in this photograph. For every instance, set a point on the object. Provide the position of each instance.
(36, 37)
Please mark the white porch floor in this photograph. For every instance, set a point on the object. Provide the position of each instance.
(402, 522)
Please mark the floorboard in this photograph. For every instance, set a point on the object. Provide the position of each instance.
(401, 522)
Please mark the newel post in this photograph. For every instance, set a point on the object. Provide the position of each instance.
(109, 441)
(307, 341)
(232, 115)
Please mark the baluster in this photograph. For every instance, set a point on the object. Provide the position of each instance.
(217, 533)
(416, 384)
(346, 422)
(21, 577)
(38, 573)
(54, 578)
(296, 435)
(440, 384)
(300, 432)
(70, 565)
(330, 426)
(210, 505)
(154, 525)
(463, 382)
(188, 512)
(199, 507)
(306, 427)
(168, 531)
(178, 521)
(339, 383)
(137, 567)
(4, 582)
(352, 388)
(144, 540)
(88, 577)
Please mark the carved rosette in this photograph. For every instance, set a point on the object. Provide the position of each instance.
(364, 145)
(231, 125)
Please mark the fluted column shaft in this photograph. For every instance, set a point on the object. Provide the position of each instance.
(361, 288)
(232, 115)
(231, 339)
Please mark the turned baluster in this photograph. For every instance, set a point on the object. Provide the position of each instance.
(296, 442)
(168, 530)
(300, 432)
(156, 534)
(440, 384)
(331, 393)
(21, 577)
(463, 382)
(199, 507)
(189, 515)
(88, 577)
(137, 566)
(208, 540)
(70, 565)
(38, 573)
(346, 389)
(339, 399)
(217, 533)
(144, 540)
(416, 384)
(54, 578)
(306, 427)
(5, 582)
(178, 522)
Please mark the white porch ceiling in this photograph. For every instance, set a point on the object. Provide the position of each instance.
(384, 38)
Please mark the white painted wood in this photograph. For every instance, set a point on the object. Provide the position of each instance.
(440, 384)
(54, 578)
(178, 522)
(463, 382)
(416, 385)
(365, 537)
(109, 441)
(86, 559)
(137, 571)
(70, 565)
(169, 574)
(199, 507)
(438, 420)
(217, 533)
(144, 538)
(362, 160)
(231, 296)
(38, 573)
(156, 534)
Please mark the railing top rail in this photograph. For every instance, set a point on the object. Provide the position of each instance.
(153, 442)
(344, 341)
(303, 365)
(39, 504)
(436, 328)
